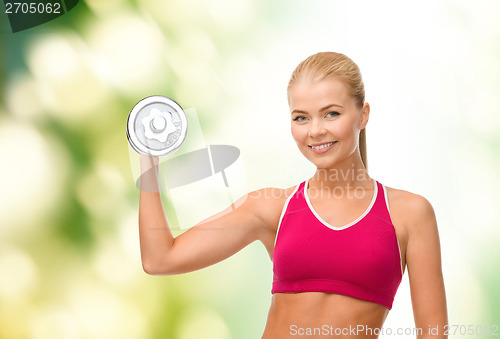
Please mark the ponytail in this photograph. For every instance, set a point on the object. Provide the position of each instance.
(362, 147)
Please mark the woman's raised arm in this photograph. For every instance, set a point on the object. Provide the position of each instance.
(206, 243)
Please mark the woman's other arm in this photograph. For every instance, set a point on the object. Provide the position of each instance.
(424, 269)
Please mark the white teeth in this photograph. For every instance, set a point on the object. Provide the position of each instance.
(322, 146)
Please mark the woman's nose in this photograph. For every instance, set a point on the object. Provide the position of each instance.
(316, 129)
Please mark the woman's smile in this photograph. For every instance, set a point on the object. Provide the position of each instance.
(322, 147)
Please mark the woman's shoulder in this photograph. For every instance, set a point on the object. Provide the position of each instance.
(269, 201)
(276, 194)
(407, 206)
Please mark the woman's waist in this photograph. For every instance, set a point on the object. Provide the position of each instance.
(325, 314)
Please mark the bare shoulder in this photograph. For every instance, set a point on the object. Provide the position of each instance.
(268, 203)
(409, 208)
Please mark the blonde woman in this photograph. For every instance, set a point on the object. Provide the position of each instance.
(339, 241)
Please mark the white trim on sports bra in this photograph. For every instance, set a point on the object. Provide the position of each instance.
(397, 240)
(284, 210)
(339, 228)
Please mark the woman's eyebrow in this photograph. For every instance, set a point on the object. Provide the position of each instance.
(321, 110)
(331, 105)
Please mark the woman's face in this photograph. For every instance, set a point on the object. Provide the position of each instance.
(326, 121)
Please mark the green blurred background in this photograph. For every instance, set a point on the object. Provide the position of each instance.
(69, 247)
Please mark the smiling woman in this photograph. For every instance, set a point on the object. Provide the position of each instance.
(339, 119)
(334, 66)
(339, 252)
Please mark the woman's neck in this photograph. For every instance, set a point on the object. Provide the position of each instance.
(348, 175)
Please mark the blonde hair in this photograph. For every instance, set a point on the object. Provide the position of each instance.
(326, 65)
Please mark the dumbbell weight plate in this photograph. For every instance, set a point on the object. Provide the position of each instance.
(156, 125)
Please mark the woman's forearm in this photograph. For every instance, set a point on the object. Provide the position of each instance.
(156, 238)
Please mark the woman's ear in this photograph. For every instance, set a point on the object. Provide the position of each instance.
(365, 115)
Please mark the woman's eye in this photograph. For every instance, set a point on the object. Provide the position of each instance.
(299, 118)
(332, 114)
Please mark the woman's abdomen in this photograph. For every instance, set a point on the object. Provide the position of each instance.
(322, 315)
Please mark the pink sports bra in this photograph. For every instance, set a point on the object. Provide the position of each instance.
(361, 259)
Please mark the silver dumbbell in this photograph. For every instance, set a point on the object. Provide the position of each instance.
(156, 125)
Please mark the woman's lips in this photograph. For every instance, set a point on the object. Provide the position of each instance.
(323, 149)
